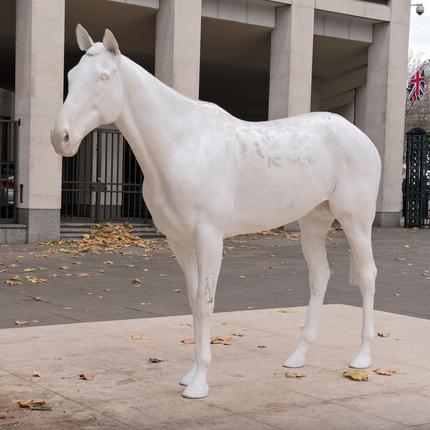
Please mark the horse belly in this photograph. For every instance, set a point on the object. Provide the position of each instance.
(272, 199)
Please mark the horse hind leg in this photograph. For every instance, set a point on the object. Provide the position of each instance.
(314, 227)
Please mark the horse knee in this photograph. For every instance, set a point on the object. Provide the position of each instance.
(367, 276)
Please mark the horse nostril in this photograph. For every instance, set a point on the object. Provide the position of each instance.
(66, 136)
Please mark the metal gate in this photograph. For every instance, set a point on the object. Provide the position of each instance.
(8, 151)
(417, 182)
(103, 181)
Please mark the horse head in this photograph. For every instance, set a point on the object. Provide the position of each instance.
(95, 93)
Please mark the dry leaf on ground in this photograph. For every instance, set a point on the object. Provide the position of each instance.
(136, 281)
(35, 405)
(140, 337)
(385, 372)
(176, 290)
(287, 311)
(356, 374)
(13, 282)
(157, 360)
(35, 374)
(383, 333)
(18, 322)
(34, 279)
(86, 376)
(222, 340)
(188, 341)
(29, 269)
(294, 375)
(238, 333)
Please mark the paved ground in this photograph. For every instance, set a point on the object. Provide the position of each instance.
(258, 272)
(249, 390)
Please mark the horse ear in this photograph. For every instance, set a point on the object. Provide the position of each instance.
(83, 38)
(110, 42)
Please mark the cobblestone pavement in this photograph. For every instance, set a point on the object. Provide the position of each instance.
(258, 272)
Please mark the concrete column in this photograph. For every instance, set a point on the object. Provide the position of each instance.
(385, 106)
(360, 107)
(177, 45)
(291, 59)
(38, 96)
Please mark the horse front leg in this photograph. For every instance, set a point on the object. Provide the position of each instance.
(208, 251)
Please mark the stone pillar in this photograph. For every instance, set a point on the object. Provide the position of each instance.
(385, 107)
(38, 96)
(360, 107)
(291, 60)
(177, 45)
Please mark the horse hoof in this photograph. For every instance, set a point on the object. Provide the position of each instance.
(196, 391)
(361, 362)
(295, 360)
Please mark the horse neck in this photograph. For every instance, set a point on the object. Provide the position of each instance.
(152, 118)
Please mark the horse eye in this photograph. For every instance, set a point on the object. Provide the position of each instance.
(104, 76)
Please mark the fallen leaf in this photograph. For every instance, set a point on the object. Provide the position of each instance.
(35, 405)
(140, 337)
(426, 275)
(13, 282)
(29, 269)
(356, 374)
(84, 275)
(35, 374)
(108, 262)
(383, 333)
(401, 258)
(396, 293)
(136, 281)
(86, 376)
(261, 346)
(35, 280)
(67, 308)
(38, 298)
(287, 311)
(176, 290)
(294, 375)
(18, 322)
(156, 360)
(385, 372)
(130, 265)
(221, 340)
(63, 267)
(238, 334)
(187, 341)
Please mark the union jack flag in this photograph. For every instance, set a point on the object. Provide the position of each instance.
(416, 86)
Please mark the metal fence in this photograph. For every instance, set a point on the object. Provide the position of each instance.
(103, 181)
(8, 165)
(416, 188)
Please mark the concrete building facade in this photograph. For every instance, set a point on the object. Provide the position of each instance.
(258, 59)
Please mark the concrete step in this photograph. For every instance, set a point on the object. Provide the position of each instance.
(76, 230)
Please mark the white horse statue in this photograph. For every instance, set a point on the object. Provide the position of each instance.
(209, 175)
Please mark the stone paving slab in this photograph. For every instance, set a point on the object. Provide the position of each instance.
(248, 387)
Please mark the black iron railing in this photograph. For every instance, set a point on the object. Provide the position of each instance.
(416, 188)
(8, 166)
(103, 181)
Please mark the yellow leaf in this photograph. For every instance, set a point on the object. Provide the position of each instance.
(136, 281)
(35, 280)
(385, 372)
(140, 337)
(156, 360)
(356, 374)
(294, 375)
(224, 340)
(287, 311)
(187, 341)
(18, 322)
